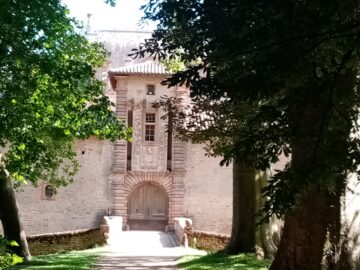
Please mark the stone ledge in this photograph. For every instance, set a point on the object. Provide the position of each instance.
(64, 241)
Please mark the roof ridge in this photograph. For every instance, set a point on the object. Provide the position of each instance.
(149, 67)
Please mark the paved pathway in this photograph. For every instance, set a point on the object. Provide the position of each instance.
(143, 250)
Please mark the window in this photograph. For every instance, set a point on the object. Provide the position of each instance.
(150, 89)
(150, 127)
(149, 133)
(150, 118)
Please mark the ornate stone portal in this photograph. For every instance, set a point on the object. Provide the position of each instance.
(133, 181)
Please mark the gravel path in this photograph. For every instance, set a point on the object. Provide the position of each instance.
(143, 250)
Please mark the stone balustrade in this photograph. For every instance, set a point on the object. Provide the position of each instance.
(179, 225)
(112, 228)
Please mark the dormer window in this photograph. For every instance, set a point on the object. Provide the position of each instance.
(150, 89)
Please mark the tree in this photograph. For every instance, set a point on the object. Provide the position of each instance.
(293, 65)
(49, 97)
(215, 125)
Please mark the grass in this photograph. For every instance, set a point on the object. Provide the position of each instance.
(220, 260)
(84, 260)
(79, 260)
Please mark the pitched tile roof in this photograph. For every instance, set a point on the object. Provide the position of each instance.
(146, 68)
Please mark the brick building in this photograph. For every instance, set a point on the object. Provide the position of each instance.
(149, 181)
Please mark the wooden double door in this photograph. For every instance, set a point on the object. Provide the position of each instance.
(148, 208)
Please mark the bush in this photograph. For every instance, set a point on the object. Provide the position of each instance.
(7, 257)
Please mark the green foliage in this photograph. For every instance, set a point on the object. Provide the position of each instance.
(173, 65)
(48, 92)
(7, 257)
(274, 78)
(221, 261)
(111, 2)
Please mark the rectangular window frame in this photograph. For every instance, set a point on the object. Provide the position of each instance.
(150, 134)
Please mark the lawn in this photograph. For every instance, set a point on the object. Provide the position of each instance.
(83, 260)
(79, 260)
(220, 261)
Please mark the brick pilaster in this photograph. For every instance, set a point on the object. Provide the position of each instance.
(119, 165)
(176, 198)
(120, 147)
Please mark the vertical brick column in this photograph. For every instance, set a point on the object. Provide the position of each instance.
(119, 165)
(118, 193)
(176, 199)
(120, 148)
(178, 156)
(176, 203)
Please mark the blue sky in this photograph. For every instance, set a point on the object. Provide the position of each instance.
(124, 16)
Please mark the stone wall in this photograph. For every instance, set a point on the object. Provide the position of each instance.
(59, 242)
(208, 241)
(199, 239)
(208, 191)
(80, 205)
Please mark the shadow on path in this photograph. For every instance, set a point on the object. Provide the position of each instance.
(136, 262)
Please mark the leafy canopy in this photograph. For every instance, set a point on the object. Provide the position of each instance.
(49, 95)
(275, 77)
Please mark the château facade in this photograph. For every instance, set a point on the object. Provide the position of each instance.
(148, 181)
(153, 174)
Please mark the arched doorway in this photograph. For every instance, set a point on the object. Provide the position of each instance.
(148, 208)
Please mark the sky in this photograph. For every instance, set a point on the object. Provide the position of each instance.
(124, 16)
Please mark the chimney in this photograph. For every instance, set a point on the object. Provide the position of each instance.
(88, 27)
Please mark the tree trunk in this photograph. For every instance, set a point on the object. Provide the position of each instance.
(244, 210)
(304, 233)
(305, 227)
(334, 258)
(9, 215)
(267, 234)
